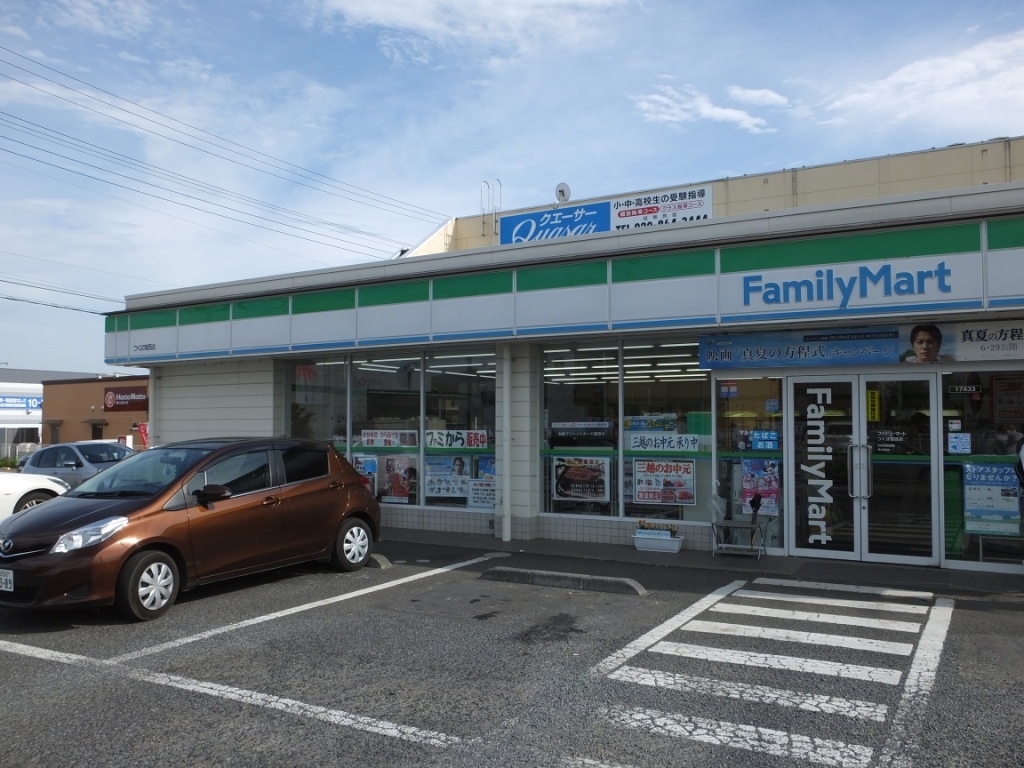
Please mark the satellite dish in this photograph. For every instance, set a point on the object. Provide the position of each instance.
(563, 193)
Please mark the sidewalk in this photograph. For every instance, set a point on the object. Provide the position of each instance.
(839, 571)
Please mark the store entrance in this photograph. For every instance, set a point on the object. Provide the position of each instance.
(864, 482)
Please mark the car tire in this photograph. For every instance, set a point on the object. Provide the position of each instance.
(147, 586)
(353, 546)
(31, 499)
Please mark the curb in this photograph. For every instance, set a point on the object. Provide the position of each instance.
(578, 581)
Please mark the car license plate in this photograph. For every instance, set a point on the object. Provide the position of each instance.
(6, 581)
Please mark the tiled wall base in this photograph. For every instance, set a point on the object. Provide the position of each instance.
(556, 527)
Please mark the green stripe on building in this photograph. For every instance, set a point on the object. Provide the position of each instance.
(251, 309)
(324, 301)
(877, 246)
(465, 286)
(562, 276)
(213, 313)
(1005, 233)
(394, 293)
(162, 318)
(661, 266)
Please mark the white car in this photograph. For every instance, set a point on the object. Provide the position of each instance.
(20, 491)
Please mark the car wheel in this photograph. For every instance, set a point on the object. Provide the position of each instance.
(147, 586)
(31, 499)
(352, 549)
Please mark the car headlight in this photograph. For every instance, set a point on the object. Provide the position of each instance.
(90, 534)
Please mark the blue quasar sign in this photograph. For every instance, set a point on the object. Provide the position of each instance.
(570, 221)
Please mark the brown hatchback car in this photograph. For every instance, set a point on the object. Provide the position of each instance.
(185, 514)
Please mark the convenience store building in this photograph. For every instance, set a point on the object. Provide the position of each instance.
(844, 343)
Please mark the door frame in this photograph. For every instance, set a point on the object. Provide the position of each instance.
(858, 463)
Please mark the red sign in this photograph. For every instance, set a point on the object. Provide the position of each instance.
(126, 399)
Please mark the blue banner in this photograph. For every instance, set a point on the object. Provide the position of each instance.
(570, 221)
(859, 346)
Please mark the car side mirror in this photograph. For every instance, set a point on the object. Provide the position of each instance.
(209, 493)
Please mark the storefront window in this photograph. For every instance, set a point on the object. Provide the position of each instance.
(666, 432)
(386, 442)
(581, 430)
(459, 441)
(982, 424)
(386, 424)
(749, 431)
(317, 403)
(661, 429)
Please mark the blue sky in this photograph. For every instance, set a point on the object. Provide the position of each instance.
(153, 144)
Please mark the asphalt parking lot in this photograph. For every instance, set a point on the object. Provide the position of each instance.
(424, 663)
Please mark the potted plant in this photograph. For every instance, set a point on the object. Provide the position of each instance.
(657, 537)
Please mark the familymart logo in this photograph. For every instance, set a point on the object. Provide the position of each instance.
(859, 283)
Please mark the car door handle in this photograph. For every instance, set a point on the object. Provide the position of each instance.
(270, 501)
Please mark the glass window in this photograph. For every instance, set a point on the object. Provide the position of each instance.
(242, 473)
(581, 429)
(459, 438)
(666, 432)
(982, 425)
(386, 424)
(304, 464)
(317, 403)
(46, 458)
(749, 430)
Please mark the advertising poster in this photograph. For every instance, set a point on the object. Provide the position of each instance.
(486, 468)
(580, 479)
(366, 465)
(397, 481)
(761, 476)
(448, 476)
(664, 482)
(482, 494)
(991, 500)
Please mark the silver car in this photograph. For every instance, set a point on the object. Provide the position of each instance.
(75, 462)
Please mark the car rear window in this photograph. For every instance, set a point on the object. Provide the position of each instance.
(304, 463)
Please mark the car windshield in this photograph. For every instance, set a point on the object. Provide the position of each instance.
(143, 474)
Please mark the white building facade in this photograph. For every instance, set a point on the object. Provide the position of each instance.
(842, 346)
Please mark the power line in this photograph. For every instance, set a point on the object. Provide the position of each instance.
(410, 210)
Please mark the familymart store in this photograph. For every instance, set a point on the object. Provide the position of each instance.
(858, 378)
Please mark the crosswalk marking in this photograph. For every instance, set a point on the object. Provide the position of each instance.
(758, 694)
(738, 610)
(828, 587)
(793, 636)
(824, 618)
(748, 737)
(833, 602)
(775, 661)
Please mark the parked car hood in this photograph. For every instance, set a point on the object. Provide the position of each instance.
(66, 513)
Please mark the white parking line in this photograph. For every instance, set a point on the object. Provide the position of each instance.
(792, 636)
(292, 611)
(748, 737)
(254, 698)
(786, 663)
(906, 727)
(758, 694)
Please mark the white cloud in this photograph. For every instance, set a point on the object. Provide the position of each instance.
(978, 89)
(671, 105)
(506, 24)
(110, 18)
(760, 96)
(14, 32)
